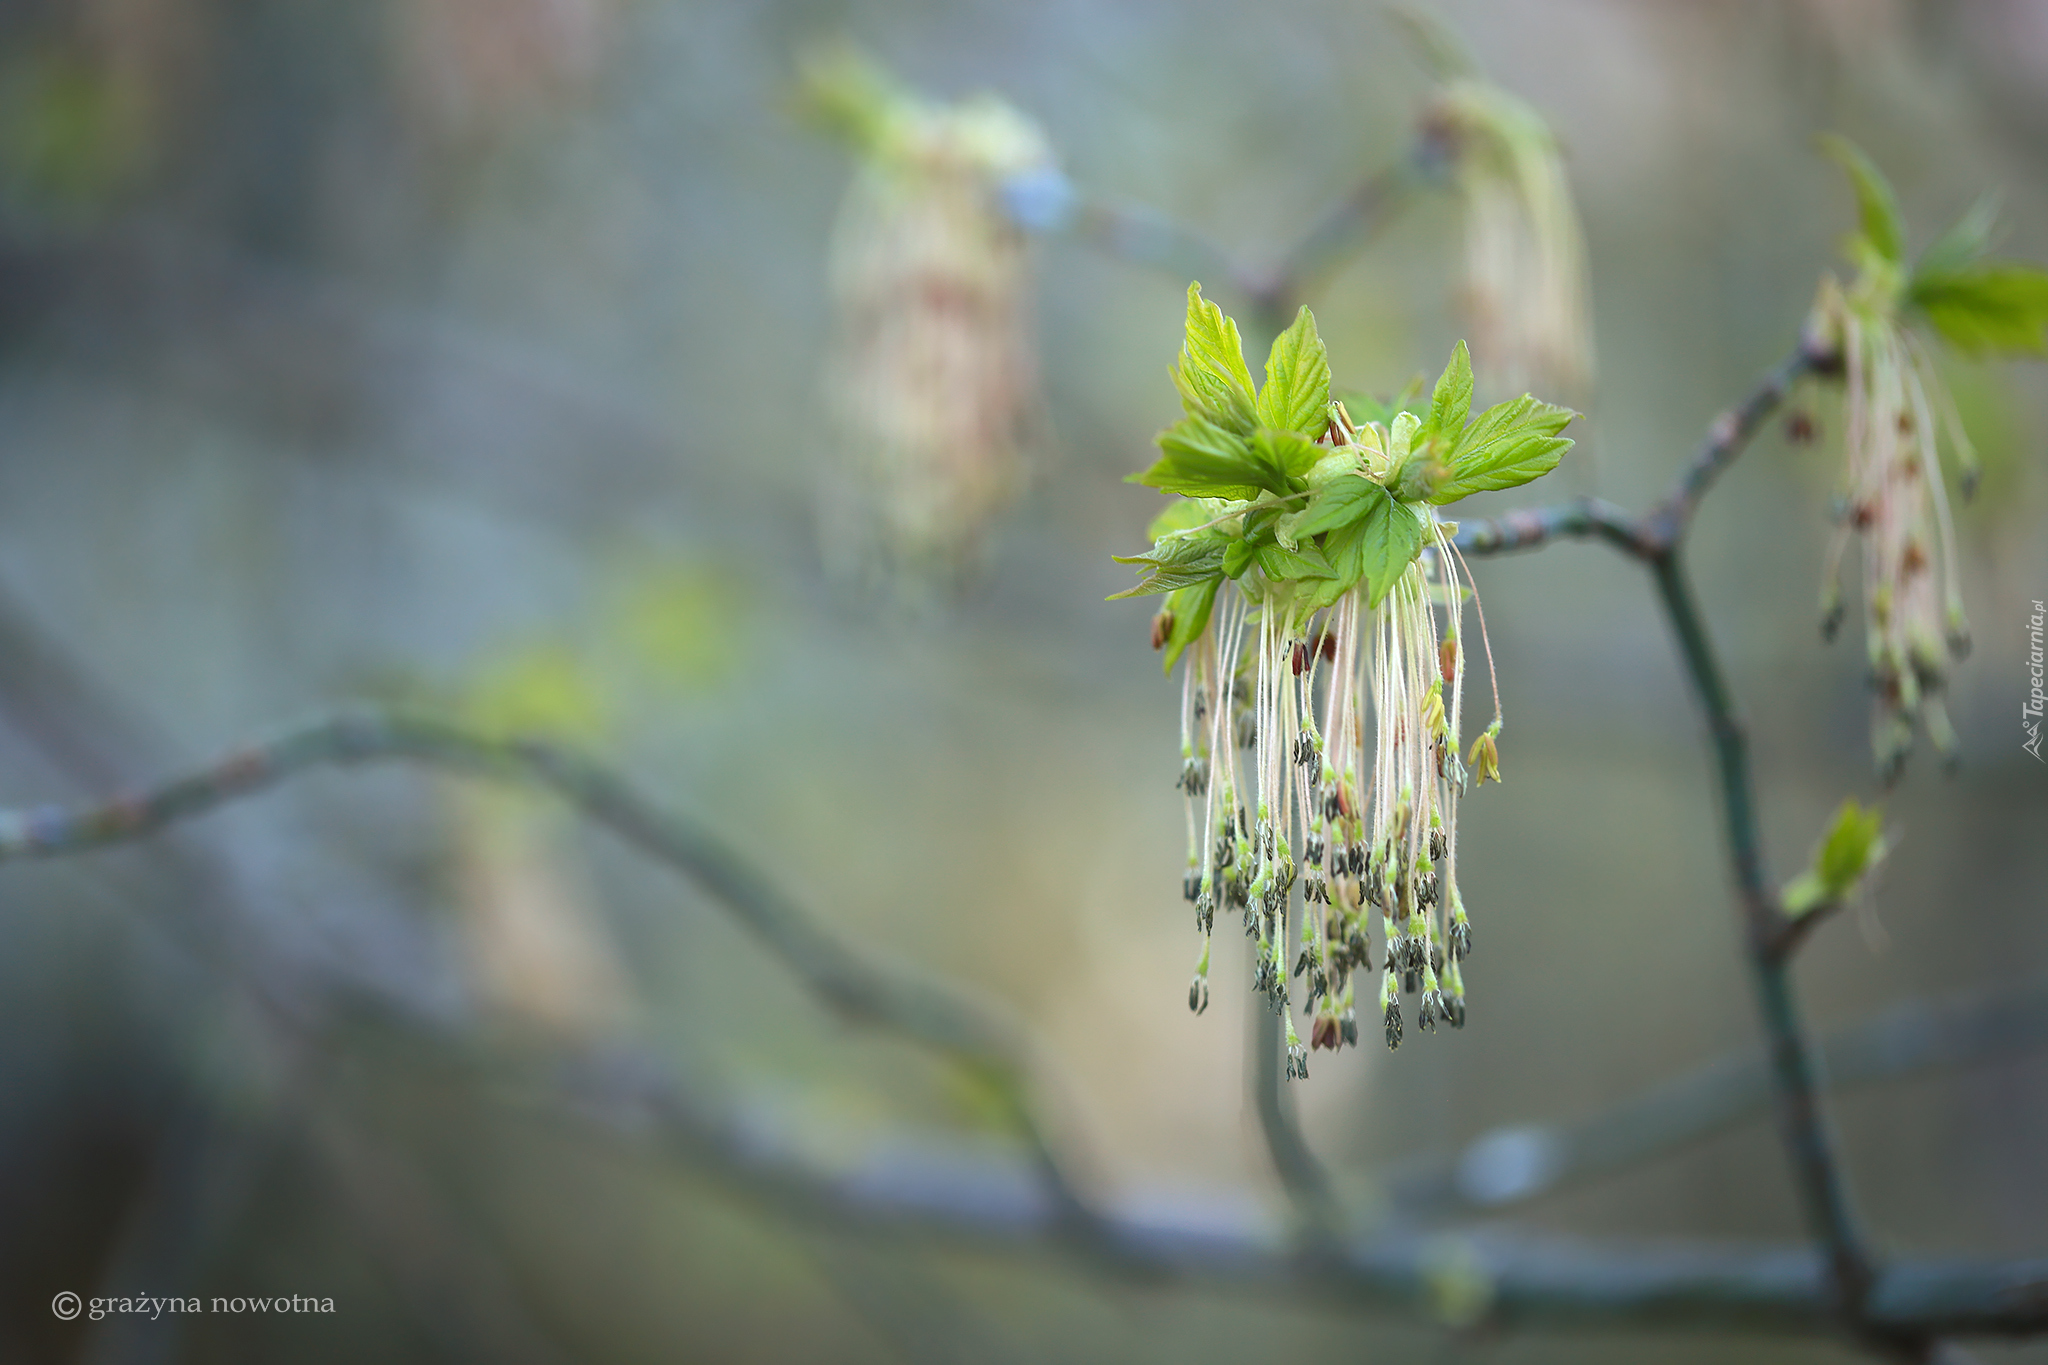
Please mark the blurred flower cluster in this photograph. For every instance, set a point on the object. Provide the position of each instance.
(1896, 414)
(1524, 289)
(934, 379)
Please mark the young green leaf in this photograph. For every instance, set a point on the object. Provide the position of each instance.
(1202, 460)
(1986, 306)
(1506, 446)
(1237, 557)
(1342, 501)
(1878, 207)
(1297, 392)
(1283, 565)
(1176, 562)
(1211, 376)
(1377, 548)
(1854, 844)
(1190, 607)
(1450, 403)
(1288, 454)
(1969, 239)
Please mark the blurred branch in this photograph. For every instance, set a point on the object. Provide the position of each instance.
(1153, 239)
(1343, 228)
(859, 991)
(1317, 1213)
(1511, 1165)
(1146, 237)
(922, 1189)
(1011, 1205)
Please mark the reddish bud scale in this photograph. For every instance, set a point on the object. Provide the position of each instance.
(1447, 661)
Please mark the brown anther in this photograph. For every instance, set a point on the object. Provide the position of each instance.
(1328, 644)
(1914, 560)
(1300, 659)
(1862, 515)
(1799, 428)
(1162, 627)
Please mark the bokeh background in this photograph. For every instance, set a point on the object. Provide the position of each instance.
(469, 354)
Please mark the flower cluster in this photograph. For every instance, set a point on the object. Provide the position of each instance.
(1525, 253)
(1897, 415)
(1319, 603)
(933, 378)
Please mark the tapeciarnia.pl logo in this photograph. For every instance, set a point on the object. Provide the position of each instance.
(2030, 712)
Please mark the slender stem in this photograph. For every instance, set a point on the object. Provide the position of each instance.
(1804, 1128)
(1518, 1280)
(1146, 237)
(1512, 1165)
(857, 989)
(1149, 238)
(1654, 539)
(1529, 528)
(1343, 228)
(1729, 436)
(1644, 537)
(1301, 1174)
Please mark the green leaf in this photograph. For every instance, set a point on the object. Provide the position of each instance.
(1342, 501)
(1200, 459)
(1377, 548)
(1283, 565)
(1878, 207)
(1969, 239)
(1986, 306)
(1176, 562)
(1854, 844)
(1190, 607)
(1297, 392)
(1211, 376)
(1506, 446)
(1288, 454)
(1237, 557)
(1450, 402)
(1181, 514)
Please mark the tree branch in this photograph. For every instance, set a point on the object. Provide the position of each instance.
(1317, 1212)
(1512, 1165)
(1492, 1277)
(857, 990)
(1808, 1140)
(1654, 539)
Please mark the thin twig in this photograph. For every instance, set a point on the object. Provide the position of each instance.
(1343, 228)
(1317, 1213)
(858, 990)
(1655, 540)
(932, 1189)
(1530, 528)
(1807, 1137)
(1660, 529)
(1512, 1165)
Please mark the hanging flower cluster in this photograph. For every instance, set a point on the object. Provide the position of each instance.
(1319, 604)
(1897, 414)
(933, 377)
(1524, 288)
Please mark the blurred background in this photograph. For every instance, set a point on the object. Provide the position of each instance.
(472, 355)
